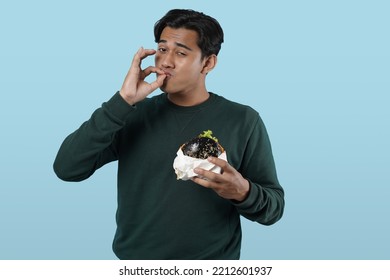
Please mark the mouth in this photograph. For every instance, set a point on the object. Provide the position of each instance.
(167, 73)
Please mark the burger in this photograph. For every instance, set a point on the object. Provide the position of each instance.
(195, 152)
(203, 146)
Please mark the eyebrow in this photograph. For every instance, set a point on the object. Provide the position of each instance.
(177, 44)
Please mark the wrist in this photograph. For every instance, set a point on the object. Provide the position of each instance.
(244, 191)
(126, 98)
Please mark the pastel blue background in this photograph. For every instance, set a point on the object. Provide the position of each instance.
(317, 71)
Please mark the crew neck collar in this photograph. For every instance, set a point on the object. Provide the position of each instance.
(165, 100)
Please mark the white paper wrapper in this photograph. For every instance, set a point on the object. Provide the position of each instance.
(184, 165)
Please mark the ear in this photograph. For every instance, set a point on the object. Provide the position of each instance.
(209, 63)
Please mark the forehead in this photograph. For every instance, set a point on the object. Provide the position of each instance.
(180, 35)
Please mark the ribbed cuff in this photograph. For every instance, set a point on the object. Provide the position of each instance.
(118, 107)
(251, 199)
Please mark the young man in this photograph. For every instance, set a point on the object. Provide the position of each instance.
(158, 216)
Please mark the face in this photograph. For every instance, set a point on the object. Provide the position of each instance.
(179, 56)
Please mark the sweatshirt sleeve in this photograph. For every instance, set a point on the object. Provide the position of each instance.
(93, 144)
(265, 202)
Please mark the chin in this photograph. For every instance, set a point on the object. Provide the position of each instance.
(168, 90)
(164, 89)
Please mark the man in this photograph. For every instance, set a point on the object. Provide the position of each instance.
(158, 216)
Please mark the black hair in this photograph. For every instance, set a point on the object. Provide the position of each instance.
(210, 33)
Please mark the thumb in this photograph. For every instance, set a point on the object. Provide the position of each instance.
(158, 82)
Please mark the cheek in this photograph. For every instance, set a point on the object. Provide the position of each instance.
(194, 69)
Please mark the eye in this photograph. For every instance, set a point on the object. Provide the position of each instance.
(162, 50)
(181, 54)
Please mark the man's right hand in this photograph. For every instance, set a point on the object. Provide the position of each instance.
(134, 88)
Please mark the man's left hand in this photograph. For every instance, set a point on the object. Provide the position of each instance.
(229, 184)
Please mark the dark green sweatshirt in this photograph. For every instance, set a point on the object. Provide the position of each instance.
(158, 216)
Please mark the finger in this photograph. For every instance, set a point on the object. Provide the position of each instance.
(137, 58)
(225, 166)
(140, 55)
(152, 69)
(147, 52)
(214, 186)
(209, 175)
(202, 182)
(158, 82)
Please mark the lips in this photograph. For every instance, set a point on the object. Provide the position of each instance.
(167, 73)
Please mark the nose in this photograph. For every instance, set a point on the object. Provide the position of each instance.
(167, 60)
